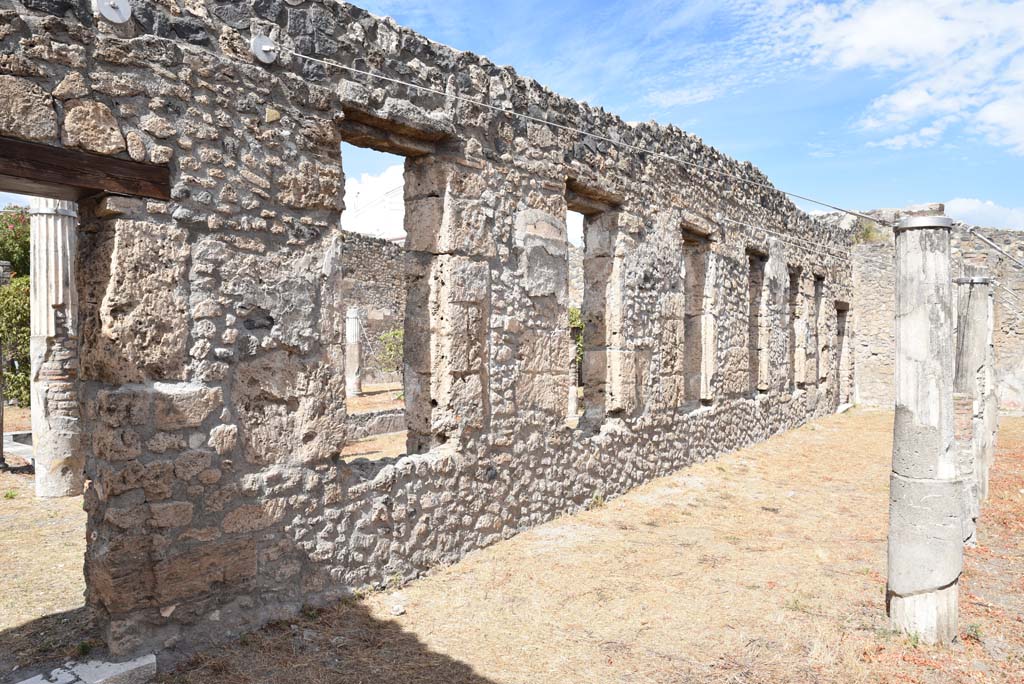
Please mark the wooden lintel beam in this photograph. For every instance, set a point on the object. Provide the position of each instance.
(65, 173)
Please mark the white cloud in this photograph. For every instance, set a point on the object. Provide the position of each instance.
(1002, 121)
(947, 66)
(678, 97)
(924, 137)
(958, 61)
(985, 213)
(574, 228)
(374, 204)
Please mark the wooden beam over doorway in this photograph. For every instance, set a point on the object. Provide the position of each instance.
(64, 173)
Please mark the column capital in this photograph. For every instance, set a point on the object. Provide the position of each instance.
(924, 222)
(53, 207)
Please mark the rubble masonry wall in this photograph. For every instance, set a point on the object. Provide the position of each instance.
(212, 324)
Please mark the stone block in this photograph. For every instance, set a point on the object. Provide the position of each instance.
(467, 227)
(120, 574)
(190, 464)
(542, 392)
(622, 381)
(197, 571)
(545, 274)
(171, 514)
(93, 127)
(462, 346)
(422, 221)
(155, 479)
(250, 518)
(184, 405)
(137, 326)
(545, 351)
(26, 111)
(128, 518)
(111, 444)
(467, 281)
(139, 670)
(223, 439)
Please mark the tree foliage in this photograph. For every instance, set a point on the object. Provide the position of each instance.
(14, 335)
(392, 351)
(14, 239)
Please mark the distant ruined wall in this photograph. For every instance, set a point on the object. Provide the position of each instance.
(373, 279)
(874, 278)
(874, 300)
(212, 332)
(575, 276)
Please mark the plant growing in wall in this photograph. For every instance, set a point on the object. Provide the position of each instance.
(14, 334)
(576, 330)
(866, 232)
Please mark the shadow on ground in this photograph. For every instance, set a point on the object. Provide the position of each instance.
(46, 642)
(343, 644)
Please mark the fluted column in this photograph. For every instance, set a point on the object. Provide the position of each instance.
(353, 353)
(970, 387)
(925, 529)
(59, 463)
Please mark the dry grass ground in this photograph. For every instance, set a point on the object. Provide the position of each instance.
(42, 546)
(387, 445)
(376, 398)
(17, 419)
(767, 565)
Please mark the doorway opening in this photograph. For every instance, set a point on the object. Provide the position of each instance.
(374, 298)
(47, 195)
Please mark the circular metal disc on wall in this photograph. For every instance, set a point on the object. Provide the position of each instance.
(263, 49)
(114, 11)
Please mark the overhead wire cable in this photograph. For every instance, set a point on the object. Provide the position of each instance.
(973, 232)
(807, 244)
(377, 200)
(572, 129)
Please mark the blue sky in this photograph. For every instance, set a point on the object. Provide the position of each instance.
(864, 104)
(875, 103)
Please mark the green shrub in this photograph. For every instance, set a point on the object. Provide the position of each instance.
(14, 335)
(14, 239)
(392, 353)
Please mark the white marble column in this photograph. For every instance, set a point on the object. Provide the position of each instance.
(974, 333)
(353, 352)
(59, 462)
(925, 529)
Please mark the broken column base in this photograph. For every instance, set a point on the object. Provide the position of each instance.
(931, 616)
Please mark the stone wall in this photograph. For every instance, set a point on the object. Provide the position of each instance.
(212, 324)
(874, 299)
